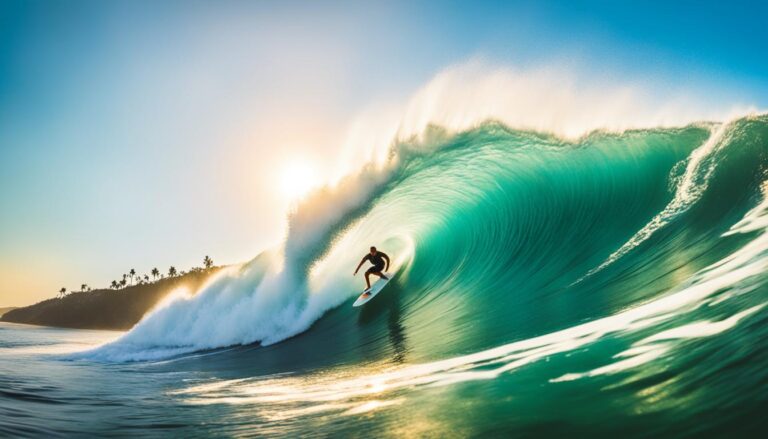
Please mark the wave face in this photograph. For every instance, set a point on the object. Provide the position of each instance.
(497, 234)
(615, 283)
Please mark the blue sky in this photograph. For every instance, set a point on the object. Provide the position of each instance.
(139, 134)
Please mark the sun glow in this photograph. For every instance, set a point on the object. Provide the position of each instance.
(297, 179)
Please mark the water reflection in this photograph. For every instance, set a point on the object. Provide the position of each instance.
(388, 302)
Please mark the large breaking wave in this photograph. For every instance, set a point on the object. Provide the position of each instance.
(502, 228)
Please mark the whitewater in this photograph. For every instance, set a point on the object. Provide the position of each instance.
(565, 250)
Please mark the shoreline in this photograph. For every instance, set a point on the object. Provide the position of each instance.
(105, 309)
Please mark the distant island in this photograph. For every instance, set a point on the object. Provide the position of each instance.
(116, 308)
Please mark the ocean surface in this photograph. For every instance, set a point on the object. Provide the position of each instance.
(614, 284)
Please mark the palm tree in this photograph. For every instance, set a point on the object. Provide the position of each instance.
(208, 262)
(155, 272)
(146, 278)
(62, 292)
(172, 271)
(132, 273)
(123, 282)
(83, 287)
(114, 284)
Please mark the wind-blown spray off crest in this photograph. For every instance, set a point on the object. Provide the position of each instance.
(544, 99)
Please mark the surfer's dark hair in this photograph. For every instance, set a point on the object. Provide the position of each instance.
(373, 249)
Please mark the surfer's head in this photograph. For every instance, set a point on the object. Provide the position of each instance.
(373, 250)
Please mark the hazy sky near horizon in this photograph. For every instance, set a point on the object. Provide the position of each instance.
(136, 134)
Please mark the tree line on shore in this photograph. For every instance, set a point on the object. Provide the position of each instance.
(128, 278)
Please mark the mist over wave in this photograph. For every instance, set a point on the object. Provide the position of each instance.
(492, 191)
(548, 99)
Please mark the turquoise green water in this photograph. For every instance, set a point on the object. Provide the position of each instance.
(544, 287)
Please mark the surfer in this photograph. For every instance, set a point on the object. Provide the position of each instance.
(376, 258)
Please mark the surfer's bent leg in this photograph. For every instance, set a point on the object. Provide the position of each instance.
(378, 271)
(374, 270)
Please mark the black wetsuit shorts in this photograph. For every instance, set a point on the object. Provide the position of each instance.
(375, 269)
(378, 263)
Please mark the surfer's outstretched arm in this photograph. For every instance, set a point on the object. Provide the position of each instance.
(384, 255)
(360, 264)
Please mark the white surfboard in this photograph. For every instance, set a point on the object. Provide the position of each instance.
(374, 290)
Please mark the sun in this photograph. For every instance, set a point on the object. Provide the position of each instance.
(297, 179)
